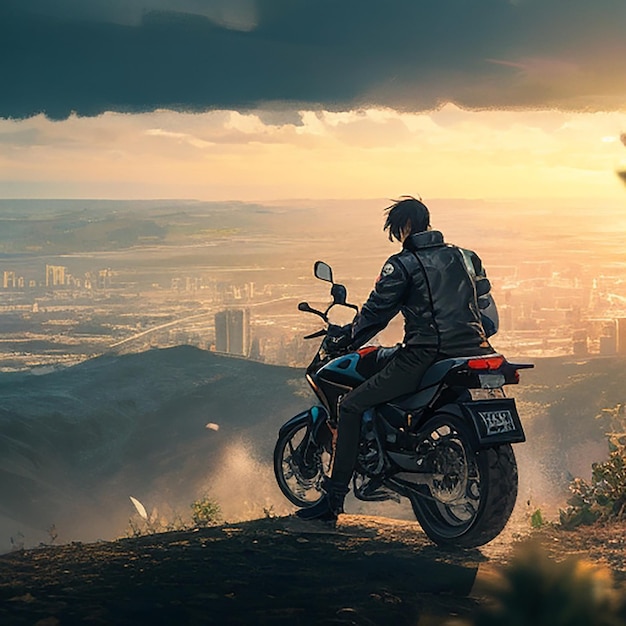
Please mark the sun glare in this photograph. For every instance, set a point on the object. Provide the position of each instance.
(261, 155)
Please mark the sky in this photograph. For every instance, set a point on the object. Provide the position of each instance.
(271, 99)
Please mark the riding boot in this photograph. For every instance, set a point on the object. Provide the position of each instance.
(331, 504)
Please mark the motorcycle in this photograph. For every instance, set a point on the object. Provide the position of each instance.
(447, 447)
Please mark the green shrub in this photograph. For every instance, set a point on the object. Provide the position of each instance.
(536, 519)
(605, 497)
(205, 512)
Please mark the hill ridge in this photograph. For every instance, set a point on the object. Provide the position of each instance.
(77, 442)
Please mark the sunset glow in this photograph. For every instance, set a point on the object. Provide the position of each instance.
(264, 155)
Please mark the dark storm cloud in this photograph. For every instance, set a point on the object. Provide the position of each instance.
(62, 56)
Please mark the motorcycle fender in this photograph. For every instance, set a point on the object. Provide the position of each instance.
(495, 421)
(314, 415)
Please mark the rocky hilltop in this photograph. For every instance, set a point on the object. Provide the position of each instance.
(76, 443)
(280, 571)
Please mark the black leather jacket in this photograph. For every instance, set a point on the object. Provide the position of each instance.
(436, 286)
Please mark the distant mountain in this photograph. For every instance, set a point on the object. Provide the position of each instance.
(48, 227)
(76, 443)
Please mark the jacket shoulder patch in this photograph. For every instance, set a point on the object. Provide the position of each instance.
(388, 269)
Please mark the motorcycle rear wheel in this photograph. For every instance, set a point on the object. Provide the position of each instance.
(471, 493)
(300, 488)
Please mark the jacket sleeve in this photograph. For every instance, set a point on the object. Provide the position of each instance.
(383, 303)
(486, 303)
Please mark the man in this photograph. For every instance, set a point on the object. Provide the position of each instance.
(444, 296)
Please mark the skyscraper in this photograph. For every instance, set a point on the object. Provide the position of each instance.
(232, 331)
(579, 342)
(55, 275)
(8, 280)
(608, 339)
(620, 324)
(221, 332)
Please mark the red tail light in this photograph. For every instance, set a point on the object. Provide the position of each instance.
(487, 363)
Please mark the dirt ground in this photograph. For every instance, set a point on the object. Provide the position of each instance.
(367, 571)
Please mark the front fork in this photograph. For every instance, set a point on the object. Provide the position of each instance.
(319, 433)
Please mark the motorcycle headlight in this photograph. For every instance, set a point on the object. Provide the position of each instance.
(312, 383)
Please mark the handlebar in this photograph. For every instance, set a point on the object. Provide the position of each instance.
(319, 333)
(333, 334)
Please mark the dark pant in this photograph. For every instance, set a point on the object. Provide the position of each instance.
(400, 376)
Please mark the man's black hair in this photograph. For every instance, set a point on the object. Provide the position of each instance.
(407, 210)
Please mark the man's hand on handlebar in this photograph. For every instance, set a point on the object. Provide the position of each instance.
(339, 338)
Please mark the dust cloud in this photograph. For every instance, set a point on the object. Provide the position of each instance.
(244, 485)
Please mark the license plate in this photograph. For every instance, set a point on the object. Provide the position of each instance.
(496, 421)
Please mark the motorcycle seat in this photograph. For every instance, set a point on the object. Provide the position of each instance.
(430, 382)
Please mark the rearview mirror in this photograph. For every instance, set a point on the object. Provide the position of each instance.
(323, 271)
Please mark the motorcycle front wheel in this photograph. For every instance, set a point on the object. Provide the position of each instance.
(468, 495)
(300, 465)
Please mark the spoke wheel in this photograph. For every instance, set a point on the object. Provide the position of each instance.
(468, 495)
(300, 484)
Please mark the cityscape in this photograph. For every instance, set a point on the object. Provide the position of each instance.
(237, 291)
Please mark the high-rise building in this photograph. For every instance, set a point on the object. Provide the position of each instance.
(104, 278)
(221, 331)
(620, 328)
(8, 280)
(608, 339)
(232, 331)
(506, 317)
(55, 275)
(579, 342)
